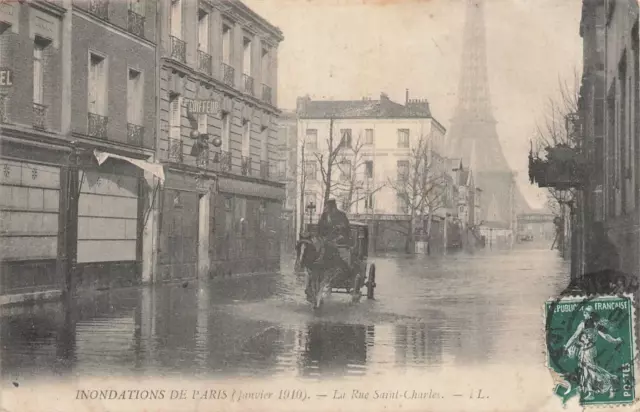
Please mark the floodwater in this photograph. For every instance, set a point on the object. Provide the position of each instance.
(456, 311)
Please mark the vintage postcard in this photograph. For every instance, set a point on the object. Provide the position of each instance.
(319, 205)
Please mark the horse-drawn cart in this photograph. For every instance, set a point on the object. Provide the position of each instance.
(346, 273)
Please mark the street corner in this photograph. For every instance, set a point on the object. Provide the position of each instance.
(591, 348)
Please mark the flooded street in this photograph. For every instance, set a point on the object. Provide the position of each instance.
(430, 313)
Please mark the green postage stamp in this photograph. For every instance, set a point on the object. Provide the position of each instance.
(591, 348)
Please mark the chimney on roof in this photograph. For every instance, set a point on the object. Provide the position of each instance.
(301, 104)
(384, 96)
(406, 97)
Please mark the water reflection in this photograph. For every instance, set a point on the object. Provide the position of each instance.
(458, 312)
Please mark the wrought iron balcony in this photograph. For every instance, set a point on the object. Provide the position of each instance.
(223, 159)
(39, 116)
(204, 62)
(175, 150)
(266, 94)
(246, 166)
(178, 49)
(135, 134)
(264, 169)
(247, 82)
(202, 159)
(228, 74)
(99, 8)
(98, 125)
(135, 23)
(4, 100)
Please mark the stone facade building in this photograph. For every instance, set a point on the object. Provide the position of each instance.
(107, 114)
(609, 111)
(220, 206)
(83, 79)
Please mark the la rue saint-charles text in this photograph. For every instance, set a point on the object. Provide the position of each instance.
(378, 394)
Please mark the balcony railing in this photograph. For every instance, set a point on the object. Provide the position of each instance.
(99, 8)
(135, 23)
(204, 62)
(98, 125)
(228, 74)
(247, 81)
(39, 116)
(202, 159)
(178, 49)
(175, 150)
(266, 93)
(135, 134)
(264, 169)
(223, 159)
(246, 166)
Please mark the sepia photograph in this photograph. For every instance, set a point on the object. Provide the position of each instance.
(319, 205)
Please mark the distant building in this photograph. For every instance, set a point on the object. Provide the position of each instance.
(287, 173)
(384, 134)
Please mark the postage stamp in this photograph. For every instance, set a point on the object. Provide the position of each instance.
(591, 348)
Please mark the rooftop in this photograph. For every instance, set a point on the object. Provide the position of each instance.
(384, 108)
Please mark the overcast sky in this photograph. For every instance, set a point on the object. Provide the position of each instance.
(347, 49)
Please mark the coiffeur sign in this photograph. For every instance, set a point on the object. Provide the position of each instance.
(203, 106)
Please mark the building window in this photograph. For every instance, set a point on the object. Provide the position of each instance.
(246, 137)
(134, 97)
(403, 170)
(226, 127)
(264, 142)
(368, 169)
(401, 204)
(137, 6)
(176, 18)
(203, 31)
(368, 201)
(97, 84)
(203, 123)
(175, 116)
(345, 169)
(311, 141)
(310, 170)
(246, 56)
(39, 47)
(226, 44)
(403, 138)
(345, 137)
(265, 65)
(368, 136)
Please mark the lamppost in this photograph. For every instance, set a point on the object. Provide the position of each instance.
(311, 207)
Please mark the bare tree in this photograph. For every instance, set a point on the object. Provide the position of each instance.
(328, 161)
(420, 187)
(553, 131)
(353, 185)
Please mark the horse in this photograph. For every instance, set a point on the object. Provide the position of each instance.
(320, 266)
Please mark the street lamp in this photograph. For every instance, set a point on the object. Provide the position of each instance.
(311, 207)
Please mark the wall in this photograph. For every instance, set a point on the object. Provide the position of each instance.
(123, 51)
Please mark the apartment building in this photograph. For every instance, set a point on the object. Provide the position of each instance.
(377, 141)
(609, 110)
(82, 80)
(220, 206)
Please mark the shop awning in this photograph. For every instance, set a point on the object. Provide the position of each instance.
(155, 169)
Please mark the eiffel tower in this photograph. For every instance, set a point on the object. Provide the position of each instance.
(473, 135)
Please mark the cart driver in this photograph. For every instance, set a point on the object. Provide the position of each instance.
(334, 224)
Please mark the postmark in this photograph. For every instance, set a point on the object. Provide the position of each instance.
(591, 349)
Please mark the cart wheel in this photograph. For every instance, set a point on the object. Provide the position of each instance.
(371, 282)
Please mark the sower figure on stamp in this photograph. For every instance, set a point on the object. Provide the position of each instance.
(594, 379)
